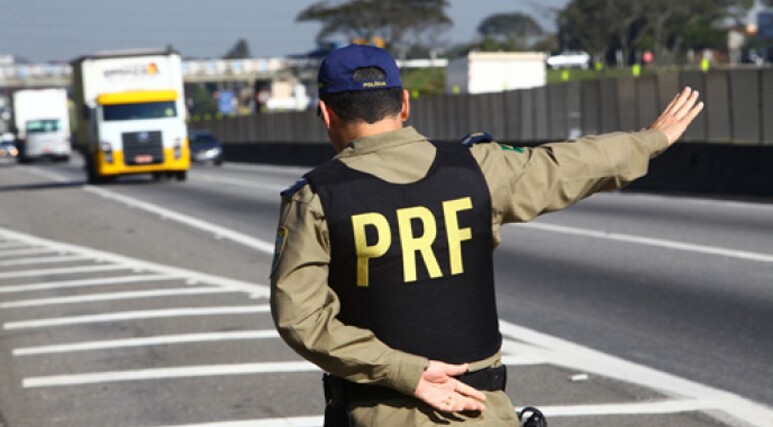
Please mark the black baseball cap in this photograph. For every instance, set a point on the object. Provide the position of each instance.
(336, 74)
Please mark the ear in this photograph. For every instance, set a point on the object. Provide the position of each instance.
(327, 114)
(405, 113)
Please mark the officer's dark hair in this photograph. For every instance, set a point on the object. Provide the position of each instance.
(366, 105)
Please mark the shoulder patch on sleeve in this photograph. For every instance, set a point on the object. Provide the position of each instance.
(294, 188)
(506, 147)
(475, 138)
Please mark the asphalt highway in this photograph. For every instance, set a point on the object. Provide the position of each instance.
(626, 309)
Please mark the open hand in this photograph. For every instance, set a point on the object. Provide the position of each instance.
(675, 118)
(439, 389)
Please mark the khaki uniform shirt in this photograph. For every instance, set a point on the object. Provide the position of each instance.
(523, 183)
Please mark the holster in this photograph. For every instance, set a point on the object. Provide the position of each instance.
(336, 405)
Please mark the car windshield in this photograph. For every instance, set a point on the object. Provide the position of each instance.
(40, 126)
(202, 138)
(140, 111)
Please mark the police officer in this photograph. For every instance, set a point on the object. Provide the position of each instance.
(383, 272)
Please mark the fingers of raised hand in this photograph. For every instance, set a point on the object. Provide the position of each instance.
(676, 105)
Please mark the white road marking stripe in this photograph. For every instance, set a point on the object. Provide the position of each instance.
(148, 341)
(164, 373)
(310, 421)
(576, 357)
(649, 241)
(27, 251)
(742, 409)
(221, 232)
(254, 290)
(136, 315)
(638, 408)
(276, 189)
(10, 244)
(101, 281)
(43, 260)
(701, 202)
(113, 296)
(66, 270)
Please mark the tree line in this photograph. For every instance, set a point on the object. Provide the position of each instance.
(418, 28)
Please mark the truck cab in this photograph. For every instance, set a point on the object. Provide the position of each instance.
(133, 111)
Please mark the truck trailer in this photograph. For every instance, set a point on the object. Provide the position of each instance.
(131, 109)
(41, 122)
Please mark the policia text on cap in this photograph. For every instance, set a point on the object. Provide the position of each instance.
(383, 272)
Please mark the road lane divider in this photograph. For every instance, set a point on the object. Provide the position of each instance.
(649, 241)
(158, 340)
(219, 232)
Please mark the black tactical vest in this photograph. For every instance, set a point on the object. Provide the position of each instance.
(423, 282)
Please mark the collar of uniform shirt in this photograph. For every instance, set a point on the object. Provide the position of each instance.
(370, 144)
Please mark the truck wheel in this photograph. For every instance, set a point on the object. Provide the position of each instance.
(181, 176)
(92, 177)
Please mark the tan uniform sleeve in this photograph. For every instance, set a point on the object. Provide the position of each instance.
(304, 307)
(525, 183)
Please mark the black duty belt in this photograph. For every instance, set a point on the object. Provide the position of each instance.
(489, 379)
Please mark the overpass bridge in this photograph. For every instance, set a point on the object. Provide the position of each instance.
(24, 76)
(28, 76)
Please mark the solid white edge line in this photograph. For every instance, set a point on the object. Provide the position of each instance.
(100, 281)
(222, 232)
(255, 290)
(649, 241)
(636, 408)
(112, 296)
(575, 356)
(148, 341)
(136, 315)
(165, 373)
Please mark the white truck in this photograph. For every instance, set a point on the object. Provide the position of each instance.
(131, 110)
(41, 122)
(487, 72)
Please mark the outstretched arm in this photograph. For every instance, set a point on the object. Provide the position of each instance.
(525, 183)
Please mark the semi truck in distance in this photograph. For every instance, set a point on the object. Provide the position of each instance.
(41, 121)
(131, 114)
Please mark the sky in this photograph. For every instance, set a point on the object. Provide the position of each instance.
(60, 30)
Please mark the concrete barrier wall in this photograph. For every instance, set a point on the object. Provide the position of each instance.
(728, 149)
